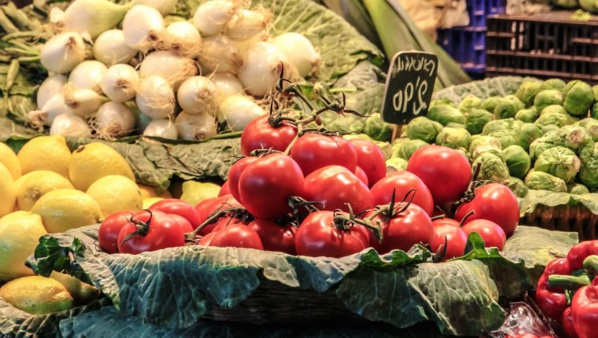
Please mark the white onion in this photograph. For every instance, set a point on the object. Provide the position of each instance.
(238, 111)
(143, 27)
(53, 107)
(196, 96)
(113, 120)
(246, 23)
(88, 75)
(63, 52)
(163, 6)
(51, 86)
(220, 54)
(226, 85)
(163, 128)
(155, 97)
(299, 51)
(92, 17)
(183, 38)
(110, 48)
(261, 68)
(68, 124)
(120, 83)
(211, 17)
(170, 66)
(195, 127)
(82, 102)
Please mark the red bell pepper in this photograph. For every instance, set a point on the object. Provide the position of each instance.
(567, 322)
(579, 252)
(552, 300)
(584, 310)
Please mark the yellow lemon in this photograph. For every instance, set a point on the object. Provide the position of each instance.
(13, 215)
(81, 292)
(45, 153)
(10, 161)
(8, 192)
(19, 236)
(32, 186)
(115, 193)
(95, 160)
(195, 192)
(149, 191)
(147, 202)
(65, 209)
(37, 295)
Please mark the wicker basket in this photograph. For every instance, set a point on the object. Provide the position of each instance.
(573, 218)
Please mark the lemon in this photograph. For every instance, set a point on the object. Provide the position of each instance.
(81, 292)
(8, 192)
(13, 215)
(65, 209)
(115, 193)
(147, 202)
(10, 161)
(149, 191)
(195, 192)
(37, 295)
(45, 153)
(19, 236)
(33, 185)
(95, 160)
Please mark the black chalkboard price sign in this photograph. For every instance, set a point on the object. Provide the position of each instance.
(409, 86)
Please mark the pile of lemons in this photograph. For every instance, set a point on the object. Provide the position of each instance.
(46, 188)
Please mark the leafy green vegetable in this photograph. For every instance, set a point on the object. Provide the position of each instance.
(527, 115)
(548, 97)
(518, 160)
(445, 114)
(538, 180)
(518, 187)
(528, 90)
(495, 86)
(406, 148)
(476, 120)
(469, 103)
(560, 162)
(578, 98)
(422, 128)
(454, 138)
(552, 199)
(492, 168)
(528, 133)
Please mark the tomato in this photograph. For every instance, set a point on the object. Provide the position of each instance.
(492, 234)
(237, 235)
(260, 134)
(208, 206)
(494, 202)
(234, 173)
(370, 159)
(224, 189)
(363, 177)
(266, 185)
(275, 237)
(335, 186)
(314, 151)
(445, 171)
(205, 240)
(163, 231)
(223, 222)
(402, 182)
(182, 220)
(109, 229)
(179, 207)
(456, 240)
(404, 230)
(445, 221)
(319, 236)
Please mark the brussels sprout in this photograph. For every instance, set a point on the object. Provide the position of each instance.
(517, 187)
(439, 102)
(495, 125)
(554, 83)
(578, 98)
(548, 97)
(454, 138)
(539, 145)
(527, 134)
(557, 119)
(577, 189)
(548, 128)
(492, 168)
(591, 125)
(455, 125)
(445, 113)
(406, 148)
(560, 162)
(464, 152)
(469, 103)
(588, 174)
(476, 120)
(594, 111)
(575, 138)
(490, 103)
(538, 180)
(376, 128)
(505, 137)
(483, 143)
(515, 100)
(565, 3)
(505, 109)
(396, 164)
(527, 115)
(553, 108)
(357, 125)
(422, 128)
(518, 161)
(595, 91)
(527, 91)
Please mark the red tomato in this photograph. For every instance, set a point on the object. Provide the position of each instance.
(445, 171)
(179, 207)
(319, 236)
(224, 189)
(266, 185)
(335, 186)
(456, 240)
(402, 182)
(163, 231)
(182, 220)
(109, 229)
(205, 240)
(526, 335)
(371, 159)
(404, 230)
(363, 177)
(445, 221)
(260, 134)
(494, 202)
(234, 174)
(209, 206)
(492, 234)
(237, 235)
(275, 237)
(223, 222)
(314, 151)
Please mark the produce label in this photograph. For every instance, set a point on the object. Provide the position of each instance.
(409, 86)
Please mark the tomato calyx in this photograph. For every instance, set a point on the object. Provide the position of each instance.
(234, 212)
(464, 220)
(441, 253)
(142, 227)
(344, 221)
(469, 194)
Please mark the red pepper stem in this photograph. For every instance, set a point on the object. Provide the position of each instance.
(568, 281)
(590, 263)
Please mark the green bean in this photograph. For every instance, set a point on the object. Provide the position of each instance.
(13, 71)
(18, 17)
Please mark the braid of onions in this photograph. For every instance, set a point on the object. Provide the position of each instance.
(116, 70)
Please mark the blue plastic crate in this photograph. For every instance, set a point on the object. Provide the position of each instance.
(479, 9)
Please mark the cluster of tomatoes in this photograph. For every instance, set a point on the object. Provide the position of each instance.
(319, 194)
